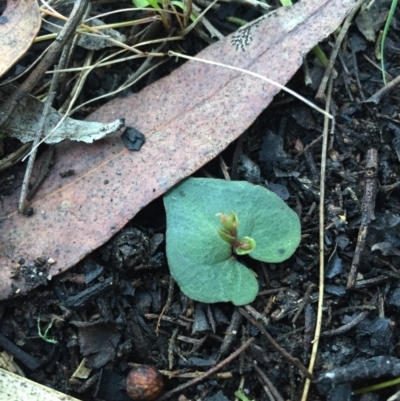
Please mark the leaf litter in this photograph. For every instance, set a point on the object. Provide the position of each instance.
(188, 118)
(137, 294)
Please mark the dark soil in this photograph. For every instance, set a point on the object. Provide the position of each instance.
(120, 307)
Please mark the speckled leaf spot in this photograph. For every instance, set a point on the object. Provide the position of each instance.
(244, 36)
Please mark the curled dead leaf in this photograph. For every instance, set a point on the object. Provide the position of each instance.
(24, 121)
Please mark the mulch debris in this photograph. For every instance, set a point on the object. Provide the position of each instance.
(119, 307)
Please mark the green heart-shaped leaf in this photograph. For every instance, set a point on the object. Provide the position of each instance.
(201, 262)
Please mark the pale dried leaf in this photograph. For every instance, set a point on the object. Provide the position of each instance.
(24, 122)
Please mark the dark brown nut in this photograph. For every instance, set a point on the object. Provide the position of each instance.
(144, 383)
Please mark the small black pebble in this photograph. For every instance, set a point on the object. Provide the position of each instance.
(28, 212)
(133, 139)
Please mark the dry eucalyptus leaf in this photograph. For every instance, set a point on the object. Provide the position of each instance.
(19, 25)
(14, 387)
(24, 122)
(188, 118)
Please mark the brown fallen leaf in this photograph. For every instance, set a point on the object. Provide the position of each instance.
(19, 25)
(188, 118)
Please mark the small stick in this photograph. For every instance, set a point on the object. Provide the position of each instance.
(224, 168)
(171, 347)
(28, 360)
(43, 170)
(257, 315)
(310, 145)
(295, 361)
(356, 74)
(377, 96)
(309, 328)
(304, 302)
(168, 303)
(346, 78)
(15, 157)
(371, 282)
(367, 212)
(351, 309)
(343, 31)
(72, 23)
(264, 379)
(32, 157)
(346, 327)
(321, 240)
(230, 333)
(272, 291)
(169, 319)
(210, 372)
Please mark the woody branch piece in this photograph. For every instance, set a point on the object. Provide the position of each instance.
(367, 212)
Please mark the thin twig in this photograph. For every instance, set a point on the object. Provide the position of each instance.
(73, 43)
(346, 327)
(44, 168)
(73, 21)
(210, 372)
(224, 168)
(263, 378)
(304, 302)
(15, 157)
(309, 329)
(307, 147)
(318, 323)
(367, 214)
(120, 89)
(343, 31)
(254, 74)
(356, 74)
(197, 20)
(230, 333)
(295, 361)
(168, 303)
(257, 315)
(171, 347)
(32, 155)
(377, 96)
(355, 308)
